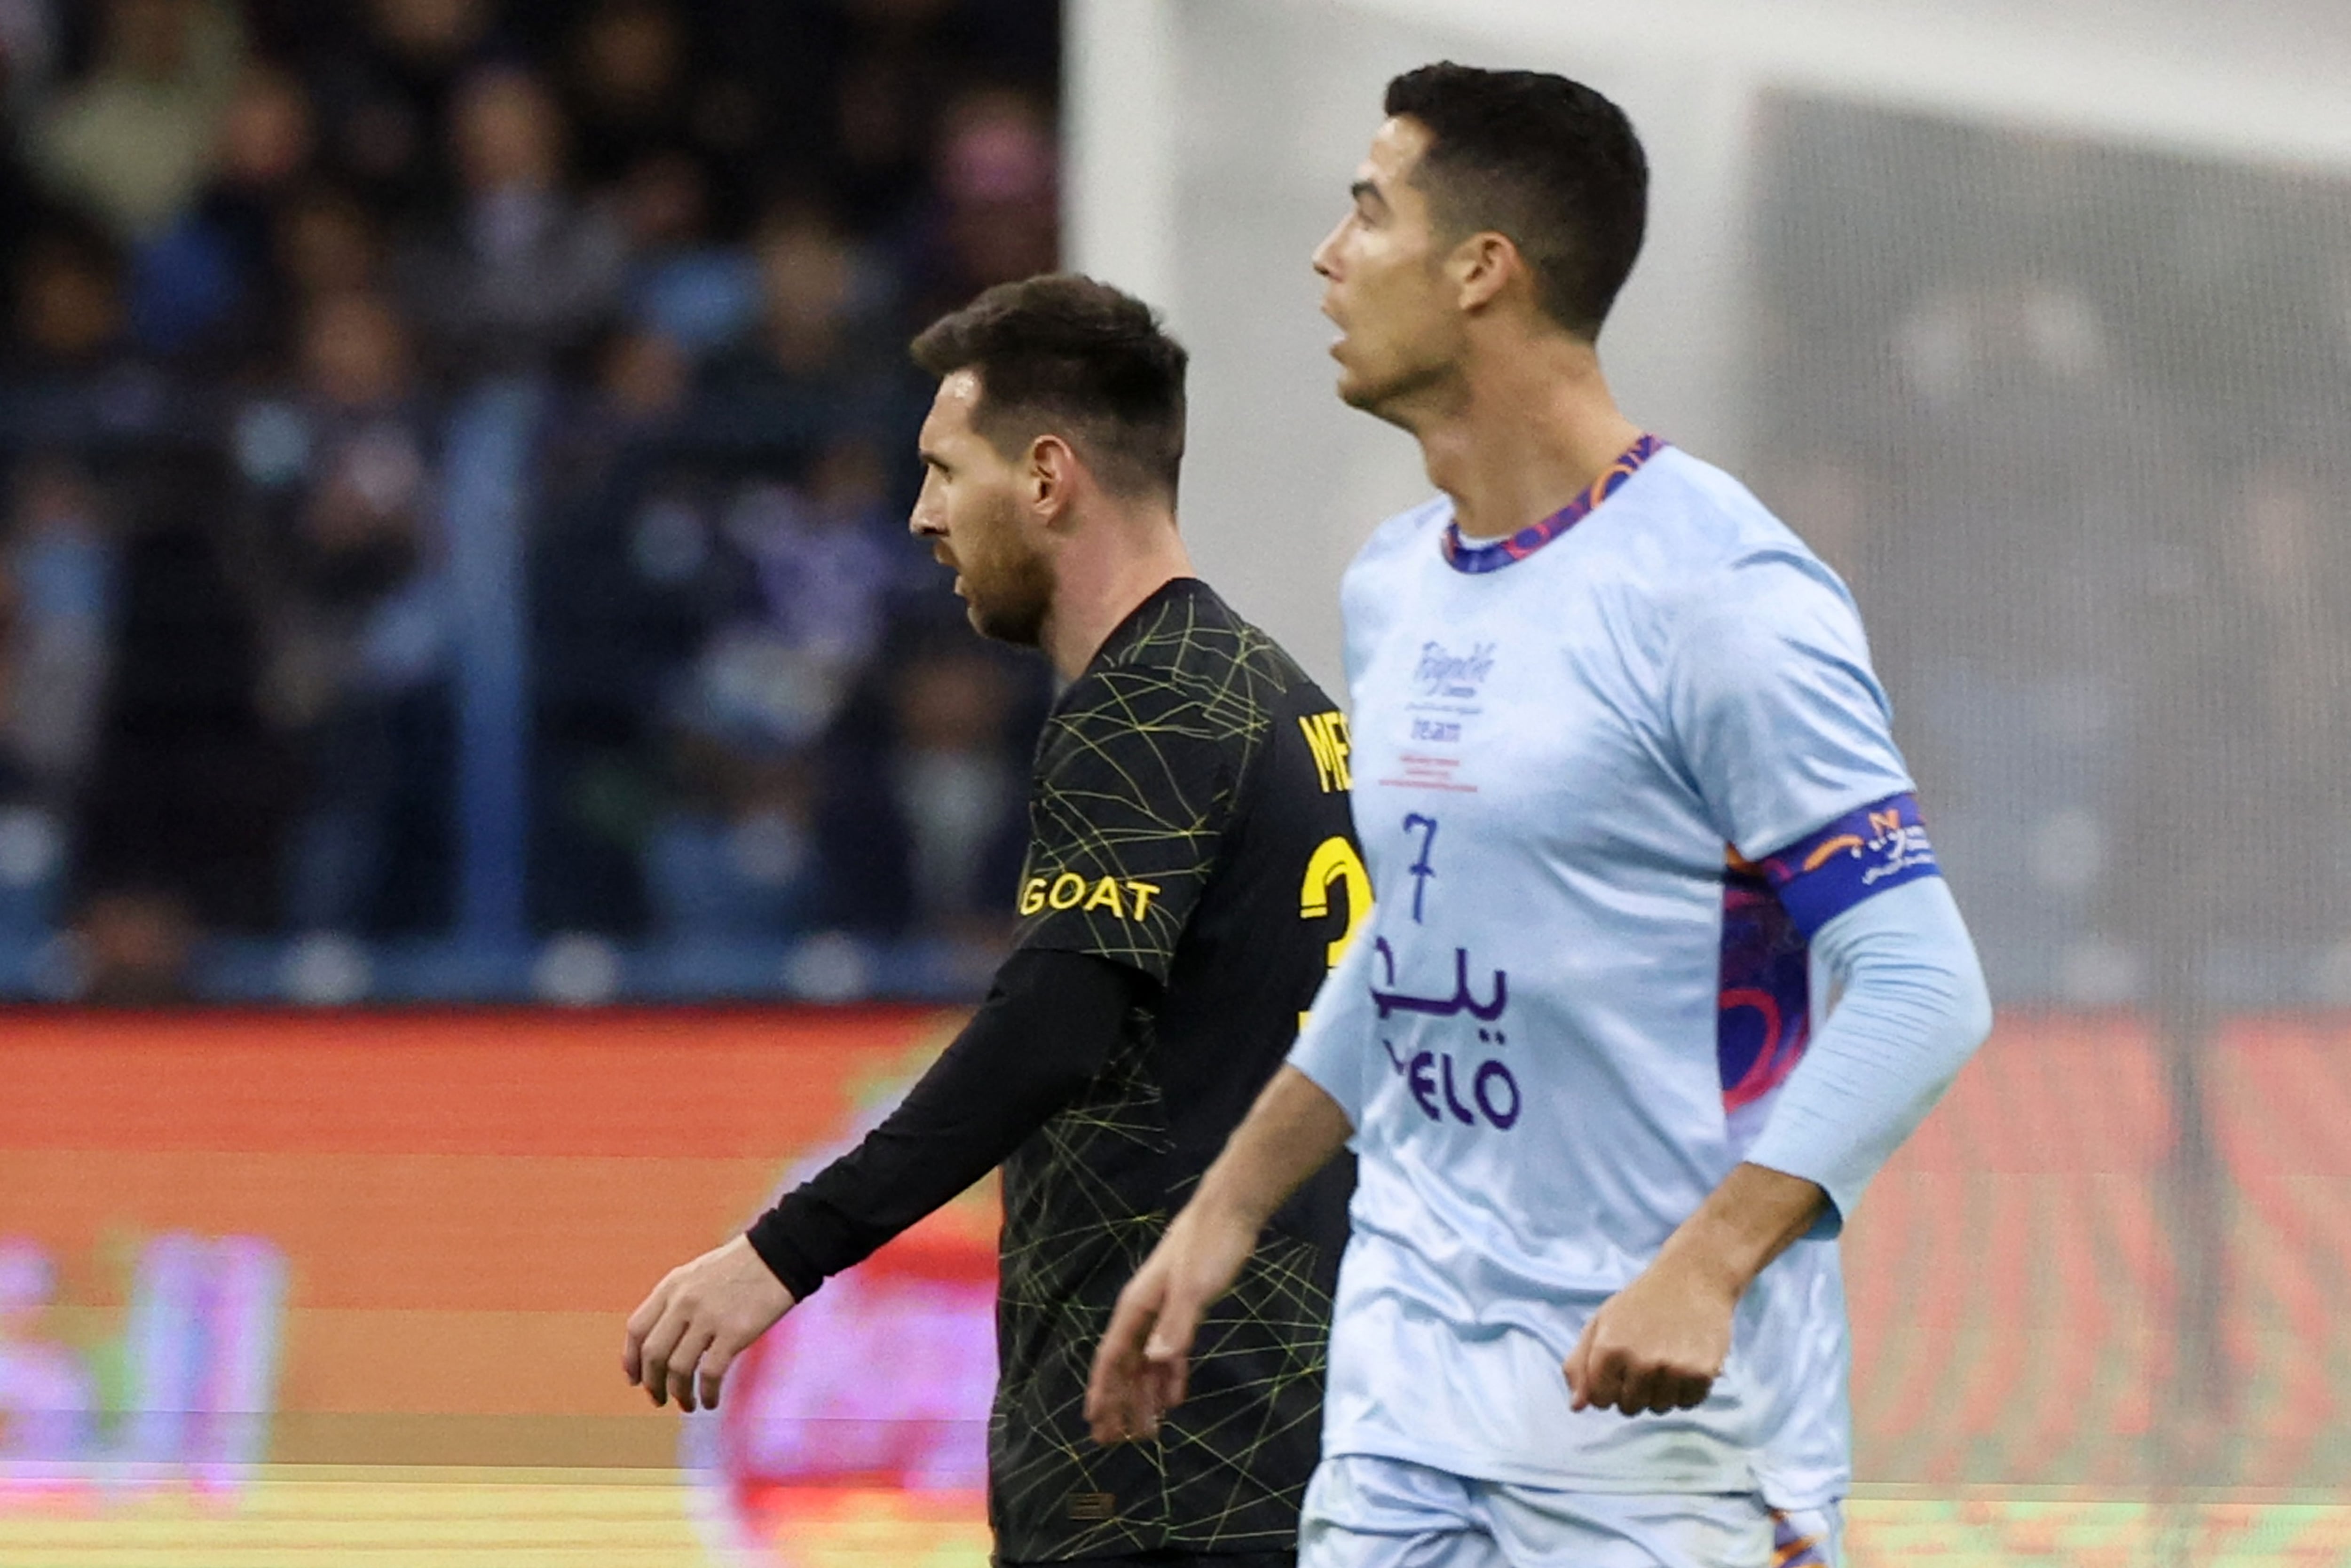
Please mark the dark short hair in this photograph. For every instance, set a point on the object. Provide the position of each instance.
(1076, 358)
(1547, 163)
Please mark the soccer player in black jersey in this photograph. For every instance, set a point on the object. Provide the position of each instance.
(1190, 876)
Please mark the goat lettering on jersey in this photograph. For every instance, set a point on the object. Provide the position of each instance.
(1127, 898)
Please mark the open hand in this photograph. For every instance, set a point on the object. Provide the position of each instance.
(1141, 1367)
(1655, 1345)
(697, 1320)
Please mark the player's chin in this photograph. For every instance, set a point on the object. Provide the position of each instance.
(1361, 386)
(1019, 624)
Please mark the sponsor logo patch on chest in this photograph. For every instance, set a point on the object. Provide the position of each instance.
(1443, 673)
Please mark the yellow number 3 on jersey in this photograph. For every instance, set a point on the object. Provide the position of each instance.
(1335, 863)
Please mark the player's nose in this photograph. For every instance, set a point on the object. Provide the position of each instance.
(1325, 259)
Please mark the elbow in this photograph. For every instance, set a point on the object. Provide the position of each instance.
(1050, 1087)
(1934, 968)
(1938, 995)
(1971, 1011)
(1975, 1016)
(1962, 1013)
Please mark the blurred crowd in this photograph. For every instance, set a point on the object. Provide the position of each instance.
(454, 456)
(307, 299)
(2071, 418)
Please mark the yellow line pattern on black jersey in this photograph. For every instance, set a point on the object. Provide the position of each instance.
(1138, 773)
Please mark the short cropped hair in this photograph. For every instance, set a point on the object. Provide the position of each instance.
(1548, 162)
(1068, 355)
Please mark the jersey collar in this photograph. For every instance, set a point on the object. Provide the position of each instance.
(1493, 555)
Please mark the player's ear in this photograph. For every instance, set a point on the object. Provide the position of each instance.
(1050, 480)
(1482, 268)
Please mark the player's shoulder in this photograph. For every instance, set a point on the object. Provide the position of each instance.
(1186, 635)
(1399, 547)
(1398, 535)
(1184, 658)
(1704, 540)
(1405, 541)
(1698, 516)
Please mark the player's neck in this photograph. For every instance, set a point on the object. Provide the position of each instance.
(1527, 430)
(1102, 571)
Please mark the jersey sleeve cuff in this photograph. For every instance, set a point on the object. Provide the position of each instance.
(1328, 1070)
(1831, 1223)
(770, 1236)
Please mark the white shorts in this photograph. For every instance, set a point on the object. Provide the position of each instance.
(1366, 1512)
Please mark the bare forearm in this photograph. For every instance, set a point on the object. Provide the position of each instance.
(1293, 1130)
(1750, 1220)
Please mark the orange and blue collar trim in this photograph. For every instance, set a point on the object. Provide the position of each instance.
(1495, 554)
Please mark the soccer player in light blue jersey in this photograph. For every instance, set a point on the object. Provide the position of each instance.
(1627, 787)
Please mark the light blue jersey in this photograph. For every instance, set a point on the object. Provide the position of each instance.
(1609, 777)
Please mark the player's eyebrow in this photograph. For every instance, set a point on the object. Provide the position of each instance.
(1368, 192)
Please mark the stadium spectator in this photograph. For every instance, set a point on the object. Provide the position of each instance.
(645, 378)
(133, 141)
(31, 41)
(57, 590)
(777, 669)
(2243, 725)
(71, 368)
(60, 581)
(198, 285)
(522, 269)
(186, 799)
(70, 312)
(887, 67)
(629, 86)
(385, 87)
(2020, 702)
(995, 214)
(136, 944)
(324, 241)
(823, 564)
(685, 283)
(621, 589)
(734, 859)
(952, 797)
(699, 293)
(923, 815)
(822, 323)
(260, 251)
(342, 476)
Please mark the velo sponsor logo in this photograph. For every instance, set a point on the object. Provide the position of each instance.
(1437, 1080)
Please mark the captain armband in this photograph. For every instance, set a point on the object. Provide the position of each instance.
(1861, 855)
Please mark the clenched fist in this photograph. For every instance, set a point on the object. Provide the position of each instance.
(1655, 1345)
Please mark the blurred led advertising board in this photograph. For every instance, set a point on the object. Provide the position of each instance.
(237, 1247)
(278, 1283)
